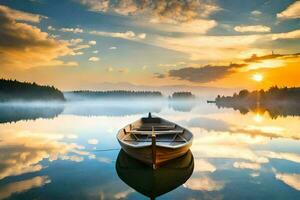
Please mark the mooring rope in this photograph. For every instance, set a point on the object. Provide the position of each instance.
(116, 149)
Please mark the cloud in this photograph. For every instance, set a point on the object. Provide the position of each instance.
(159, 75)
(156, 11)
(76, 53)
(203, 74)
(255, 58)
(246, 165)
(291, 12)
(292, 180)
(96, 5)
(20, 15)
(288, 35)
(81, 46)
(128, 35)
(22, 186)
(256, 28)
(93, 141)
(199, 26)
(16, 38)
(112, 48)
(92, 42)
(94, 59)
(204, 183)
(210, 73)
(96, 51)
(208, 48)
(73, 30)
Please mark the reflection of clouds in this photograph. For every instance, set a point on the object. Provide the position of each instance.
(281, 155)
(123, 194)
(292, 180)
(254, 174)
(21, 152)
(22, 186)
(246, 165)
(287, 127)
(204, 183)
(93, 141)
(104, 160)
(208, 124)
(225, 145)
(201, 165)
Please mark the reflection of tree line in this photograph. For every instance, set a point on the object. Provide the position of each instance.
(276, 101)
(13, 113)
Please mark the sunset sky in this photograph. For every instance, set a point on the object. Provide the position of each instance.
(83, 44)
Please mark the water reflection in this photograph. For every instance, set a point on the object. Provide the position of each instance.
(235, 156)
(183, 105)
(17, 112)
(153, 183)
(284, 109)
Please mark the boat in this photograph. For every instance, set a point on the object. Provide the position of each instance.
(154, 183)
(154, 140)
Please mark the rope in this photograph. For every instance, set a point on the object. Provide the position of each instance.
(107, 149)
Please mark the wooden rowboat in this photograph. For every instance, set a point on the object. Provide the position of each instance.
(154, 140)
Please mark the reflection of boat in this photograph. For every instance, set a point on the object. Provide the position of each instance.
(154, 140)
(153, 183)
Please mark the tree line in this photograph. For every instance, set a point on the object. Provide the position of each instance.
(113, 94)
(13, 90)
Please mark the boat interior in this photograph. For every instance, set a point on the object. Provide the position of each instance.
(167, 134)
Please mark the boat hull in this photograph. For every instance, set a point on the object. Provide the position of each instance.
(162, 155)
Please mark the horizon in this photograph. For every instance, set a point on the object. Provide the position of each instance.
(110, 45)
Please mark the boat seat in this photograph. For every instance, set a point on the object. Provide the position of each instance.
(137, 132)
(149, 127)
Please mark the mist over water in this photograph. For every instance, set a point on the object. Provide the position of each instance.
(48, 150)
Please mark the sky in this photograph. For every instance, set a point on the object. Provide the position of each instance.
(85, 44)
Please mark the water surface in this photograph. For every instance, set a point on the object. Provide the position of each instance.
(70, 152)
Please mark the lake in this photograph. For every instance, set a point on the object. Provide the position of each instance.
(70, 151)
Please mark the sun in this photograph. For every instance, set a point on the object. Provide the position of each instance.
(258, 77)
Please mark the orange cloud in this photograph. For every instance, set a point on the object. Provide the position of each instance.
(25, 46)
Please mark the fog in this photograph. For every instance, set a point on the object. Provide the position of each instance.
(23, 110)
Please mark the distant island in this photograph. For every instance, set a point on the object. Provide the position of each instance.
(277, 101)
(182, 95)
(94, 95)
(13, 90)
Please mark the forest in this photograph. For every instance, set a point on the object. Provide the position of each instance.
(13, 90)
(87, 94)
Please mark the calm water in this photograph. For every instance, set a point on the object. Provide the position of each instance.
(71, 152)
